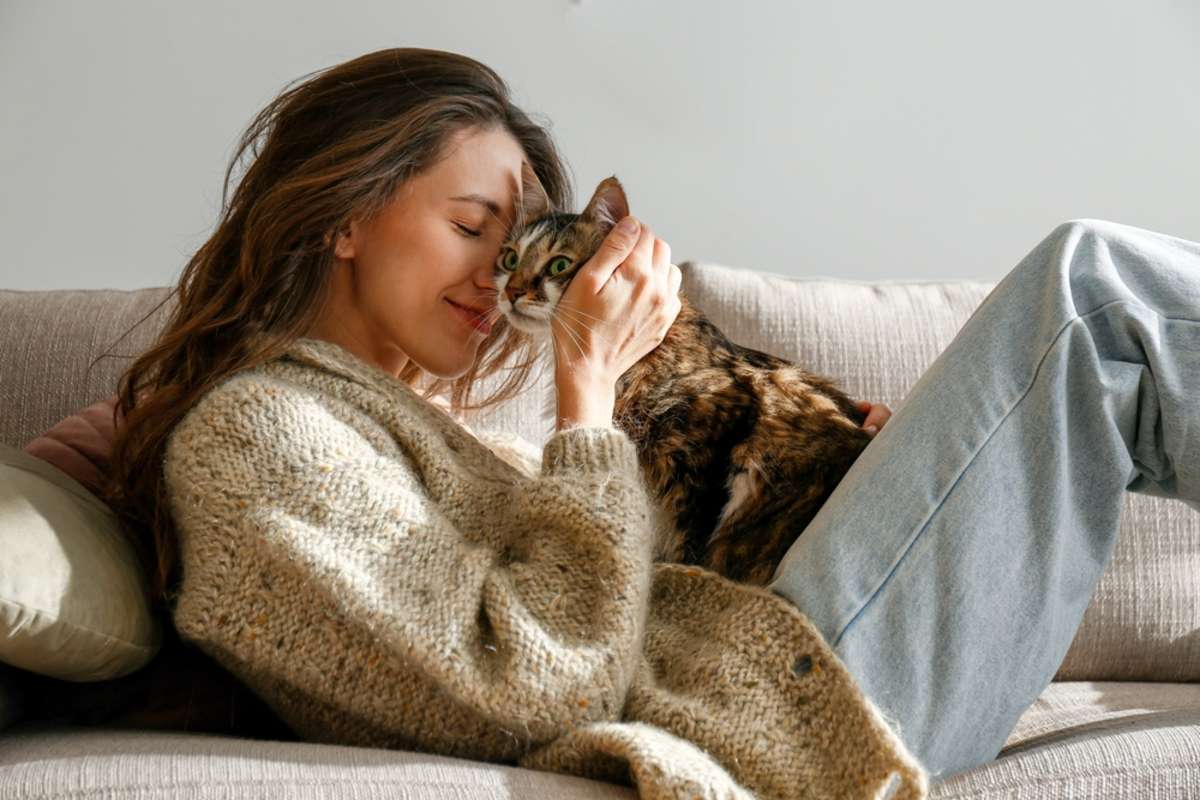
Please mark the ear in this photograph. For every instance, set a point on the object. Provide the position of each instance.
(344, 246)
(608, 205)
(534, 200)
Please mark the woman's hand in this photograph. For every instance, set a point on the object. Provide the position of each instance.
(615, 311)
(877, 417)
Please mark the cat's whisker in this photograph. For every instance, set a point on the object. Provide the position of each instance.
(577, 315)
(574, 336)
(593, 329)
(572, 308)
(553, 312)
(489, 299)
(484, 314)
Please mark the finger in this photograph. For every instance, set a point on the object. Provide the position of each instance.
(662, 256)
(676, 279)
(614, 250)
(662, 271)
(639, 264)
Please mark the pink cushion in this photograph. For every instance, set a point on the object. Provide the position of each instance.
(80, 445)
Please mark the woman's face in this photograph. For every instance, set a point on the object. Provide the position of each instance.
(401, 280)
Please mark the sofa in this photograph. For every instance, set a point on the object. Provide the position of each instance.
(1120, 720)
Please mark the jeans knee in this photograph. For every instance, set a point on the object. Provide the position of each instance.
(1083, 229)
(1076, 246)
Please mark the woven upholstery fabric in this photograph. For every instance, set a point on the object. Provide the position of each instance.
(874, 337)
(39, 761)
(1079, 741)
(52, 338)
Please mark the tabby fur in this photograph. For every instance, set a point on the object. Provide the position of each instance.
(739, 447)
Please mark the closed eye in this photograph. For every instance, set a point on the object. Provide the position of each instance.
(467, 231)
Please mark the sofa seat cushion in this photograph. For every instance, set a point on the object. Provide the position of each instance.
(1077, 741)
(1085, 740)
(41, 760)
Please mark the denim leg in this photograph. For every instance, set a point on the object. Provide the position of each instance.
(950, 568)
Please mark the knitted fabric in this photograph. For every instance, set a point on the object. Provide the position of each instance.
(380, 576)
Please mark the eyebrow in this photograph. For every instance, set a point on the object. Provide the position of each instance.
(488, 203)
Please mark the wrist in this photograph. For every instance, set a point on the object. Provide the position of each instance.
(583, 401)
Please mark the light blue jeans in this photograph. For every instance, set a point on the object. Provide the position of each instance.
(951, 566)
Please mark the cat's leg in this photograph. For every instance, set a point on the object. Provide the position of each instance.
(764, 514)
(952, 565)
(734, 548)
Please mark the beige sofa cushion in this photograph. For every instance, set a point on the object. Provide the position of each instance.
(1079, 741)
(874, 337)
(73, 601)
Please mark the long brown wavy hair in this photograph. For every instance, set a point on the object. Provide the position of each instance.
(335, 147)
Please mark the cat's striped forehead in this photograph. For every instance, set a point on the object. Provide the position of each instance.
(549, 231)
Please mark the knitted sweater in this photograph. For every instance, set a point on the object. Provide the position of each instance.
(381, 577)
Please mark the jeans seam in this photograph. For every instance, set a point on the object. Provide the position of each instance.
(933, 512)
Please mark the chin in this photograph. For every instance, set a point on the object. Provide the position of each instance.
(446, 370)
(452, 371)
(534, 326)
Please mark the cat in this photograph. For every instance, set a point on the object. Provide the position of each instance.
(738, 447)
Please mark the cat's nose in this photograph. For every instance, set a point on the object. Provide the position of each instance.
(513, 292)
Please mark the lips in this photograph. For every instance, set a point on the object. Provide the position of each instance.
(476, 318)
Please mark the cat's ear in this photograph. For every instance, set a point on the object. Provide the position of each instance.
(608, 205)
(534, 200)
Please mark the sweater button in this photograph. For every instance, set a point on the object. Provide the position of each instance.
(802, 666)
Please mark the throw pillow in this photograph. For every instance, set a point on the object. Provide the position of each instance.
(74, 599)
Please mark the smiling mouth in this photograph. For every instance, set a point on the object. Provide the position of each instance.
(476, 319)
(478, 311)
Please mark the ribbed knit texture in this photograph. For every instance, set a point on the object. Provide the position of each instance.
(381, 576)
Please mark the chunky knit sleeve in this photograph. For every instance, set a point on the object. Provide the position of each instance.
(310, 549)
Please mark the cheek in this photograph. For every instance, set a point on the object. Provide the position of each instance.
(553, 292)
(385, 290)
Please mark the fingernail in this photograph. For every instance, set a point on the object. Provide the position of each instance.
(628, 226)
(871, 429)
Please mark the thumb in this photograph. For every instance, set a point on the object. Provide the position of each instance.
(614, 248)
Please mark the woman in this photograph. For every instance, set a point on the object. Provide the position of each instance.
(379, 576)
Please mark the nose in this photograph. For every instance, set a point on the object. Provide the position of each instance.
(513, 292)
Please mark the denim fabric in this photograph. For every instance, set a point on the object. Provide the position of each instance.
(950, 568)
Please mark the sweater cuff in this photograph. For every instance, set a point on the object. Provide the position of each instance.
(596, 448)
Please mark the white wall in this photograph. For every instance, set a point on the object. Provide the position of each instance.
(936, 140)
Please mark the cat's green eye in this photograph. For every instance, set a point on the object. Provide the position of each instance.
(559, 265)
(509, 260)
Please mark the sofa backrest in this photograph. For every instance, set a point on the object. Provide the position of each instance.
(50, 340)
(874, 338)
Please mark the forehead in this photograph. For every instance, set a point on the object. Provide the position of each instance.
(483, 167)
